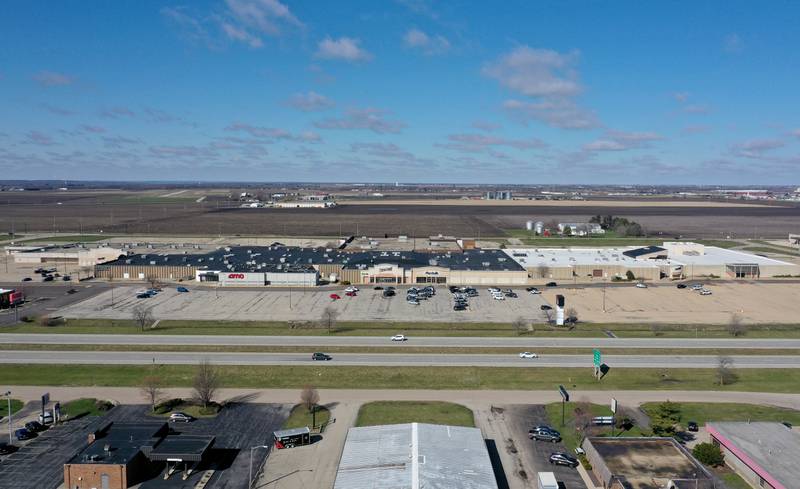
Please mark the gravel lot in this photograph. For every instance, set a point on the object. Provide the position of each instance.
(266, 305)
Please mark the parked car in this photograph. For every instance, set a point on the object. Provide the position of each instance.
(335, 297)
(23, 434)
(498, 297)
(696, 286)
(48, 278)
(413, 302)
(182, 289)
(641, 285)
(562, 458)
(705, 292)
(552, 436)
(35, 426)
(66, 278)
(377, 287)
(352, 293)
(5, 448)
(535, 291)
(143, 296)
(692, 426)
(551, 284)
(321, 356)
(398, 337)
(545, 307)
(681, 286)
(180, 418)
(527, 354)
(351, 288)
(27, 279)
(512, 295)
(459, 307)
(388, 293)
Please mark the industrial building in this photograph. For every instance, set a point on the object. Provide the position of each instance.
(415, 455)
(580, 228)
(499, 195)
(645, 463)
(64, 255)
(280, 265)
(121, 455)
(582, 263)
(764, 454)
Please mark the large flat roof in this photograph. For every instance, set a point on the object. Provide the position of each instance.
(770, 449)
(722, 256)
(566, 257)
(415, 455)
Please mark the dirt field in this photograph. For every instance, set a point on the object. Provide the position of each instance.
(193, 213)
(754, 302)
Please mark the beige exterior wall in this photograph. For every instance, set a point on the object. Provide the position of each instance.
(140, 273)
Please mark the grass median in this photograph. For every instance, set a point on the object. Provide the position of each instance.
(360, 377)
(701, 412)
(398, 412)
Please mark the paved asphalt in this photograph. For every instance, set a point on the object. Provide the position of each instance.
(397, 359)
(364, 341)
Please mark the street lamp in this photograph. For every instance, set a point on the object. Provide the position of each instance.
(249, 486)
(10, 425)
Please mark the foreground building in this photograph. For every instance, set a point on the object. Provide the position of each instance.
(764, 454)
(63, 255)
(415, 455)
(645, 463)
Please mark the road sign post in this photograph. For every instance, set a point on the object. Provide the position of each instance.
(564, 401)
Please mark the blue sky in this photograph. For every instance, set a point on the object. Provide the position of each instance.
(407, 90)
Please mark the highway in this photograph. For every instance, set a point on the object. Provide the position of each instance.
(388, 360)
(421, 341)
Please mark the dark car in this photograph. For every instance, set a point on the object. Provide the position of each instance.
(48, 278)
(544, 433)
(681, 286)
(561, 458)
(692, 426)
(35, 426)
(66, 278)
(545, 307)
(143, 296)
(512, 295)
(182, 289)
(551, 284)
(320, 356)
(5, 449)
(459, 307)
(27, 279)
(388, 293)
(23, 434)
(377, 287)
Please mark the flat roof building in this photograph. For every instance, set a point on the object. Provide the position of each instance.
(582, 263)
(765, 454)
(415, 455)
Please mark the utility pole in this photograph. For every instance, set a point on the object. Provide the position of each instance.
(10, 425)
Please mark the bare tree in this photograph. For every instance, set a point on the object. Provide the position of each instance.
(583, 418)
(206, 382)
(520, 325)
(328, 318)
(152, 280)
(309, 397)
(152, 390)
(736, 326)
(572, 313)
(542, 270)
(725, 373)
(142, 316)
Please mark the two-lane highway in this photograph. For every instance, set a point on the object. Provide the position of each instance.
(388, 360)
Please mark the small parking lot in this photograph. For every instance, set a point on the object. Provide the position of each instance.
(39, 463)
(308, 304)
(536, 454)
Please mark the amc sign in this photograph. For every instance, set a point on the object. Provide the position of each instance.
(236, 276)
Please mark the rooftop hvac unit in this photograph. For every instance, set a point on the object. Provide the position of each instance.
(152, 262)
(283, 259)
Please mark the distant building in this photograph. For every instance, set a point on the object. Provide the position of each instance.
(415, 455)
(763, 454)
(499, 195)
(580, 228)
(316, 197)
(70, 254)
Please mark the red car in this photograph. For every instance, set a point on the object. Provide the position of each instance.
(350, 294)
(335, 297)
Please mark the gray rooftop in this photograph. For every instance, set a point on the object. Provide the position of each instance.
(771, 446)
(415, 455)
(120, 443)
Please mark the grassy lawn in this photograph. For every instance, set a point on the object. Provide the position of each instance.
(81, 407)
(16, 405)
(609, 239)
(358, 377)
(397, 412)
(769, 249)
(192, 409)
(70, 238)
(301, 417)
(388, 328)
(704, 412)
(569, 434)
(733, 481)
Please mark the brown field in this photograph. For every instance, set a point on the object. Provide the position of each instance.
(176, 212)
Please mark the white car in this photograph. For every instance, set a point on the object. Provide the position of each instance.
(705, 292)
(536, 291)
(696, 287)
(398, 337)
(351, 289)
(641, 285)
(498, 297)
(527, 354)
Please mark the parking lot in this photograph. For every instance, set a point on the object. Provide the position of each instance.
(535, 454)
(308, 304)
(39, 463)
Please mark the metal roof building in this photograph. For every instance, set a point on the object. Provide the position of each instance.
(414, 456)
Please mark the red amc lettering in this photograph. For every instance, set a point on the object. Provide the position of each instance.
(236, 275)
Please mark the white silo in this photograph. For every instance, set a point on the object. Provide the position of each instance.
(529, 225)
(538, 227)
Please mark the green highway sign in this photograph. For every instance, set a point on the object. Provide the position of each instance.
(597, 361)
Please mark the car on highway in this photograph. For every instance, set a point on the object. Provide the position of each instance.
(319, 356)
(180, 418)
(563, 458)
(527, 354)
(692, 426)
(24, 434)
(551, 284)
(681, 286)
(641, 285)
(335, 297)
(182, 289)
(399, 337)
(545, 307)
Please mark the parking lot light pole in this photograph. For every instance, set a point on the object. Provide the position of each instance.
(250, 485)
(10, 425)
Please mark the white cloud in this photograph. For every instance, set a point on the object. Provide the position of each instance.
(344, 48)
(485, 126)
(264, 16)
(370, 118)
(239, 34)
(479, 142)
(537, 72)
(310, 102)
(557, 112)
(681, 97)
(271, 133)
(622, 141)
(756, 148)
(53, 79)
(417, 39)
